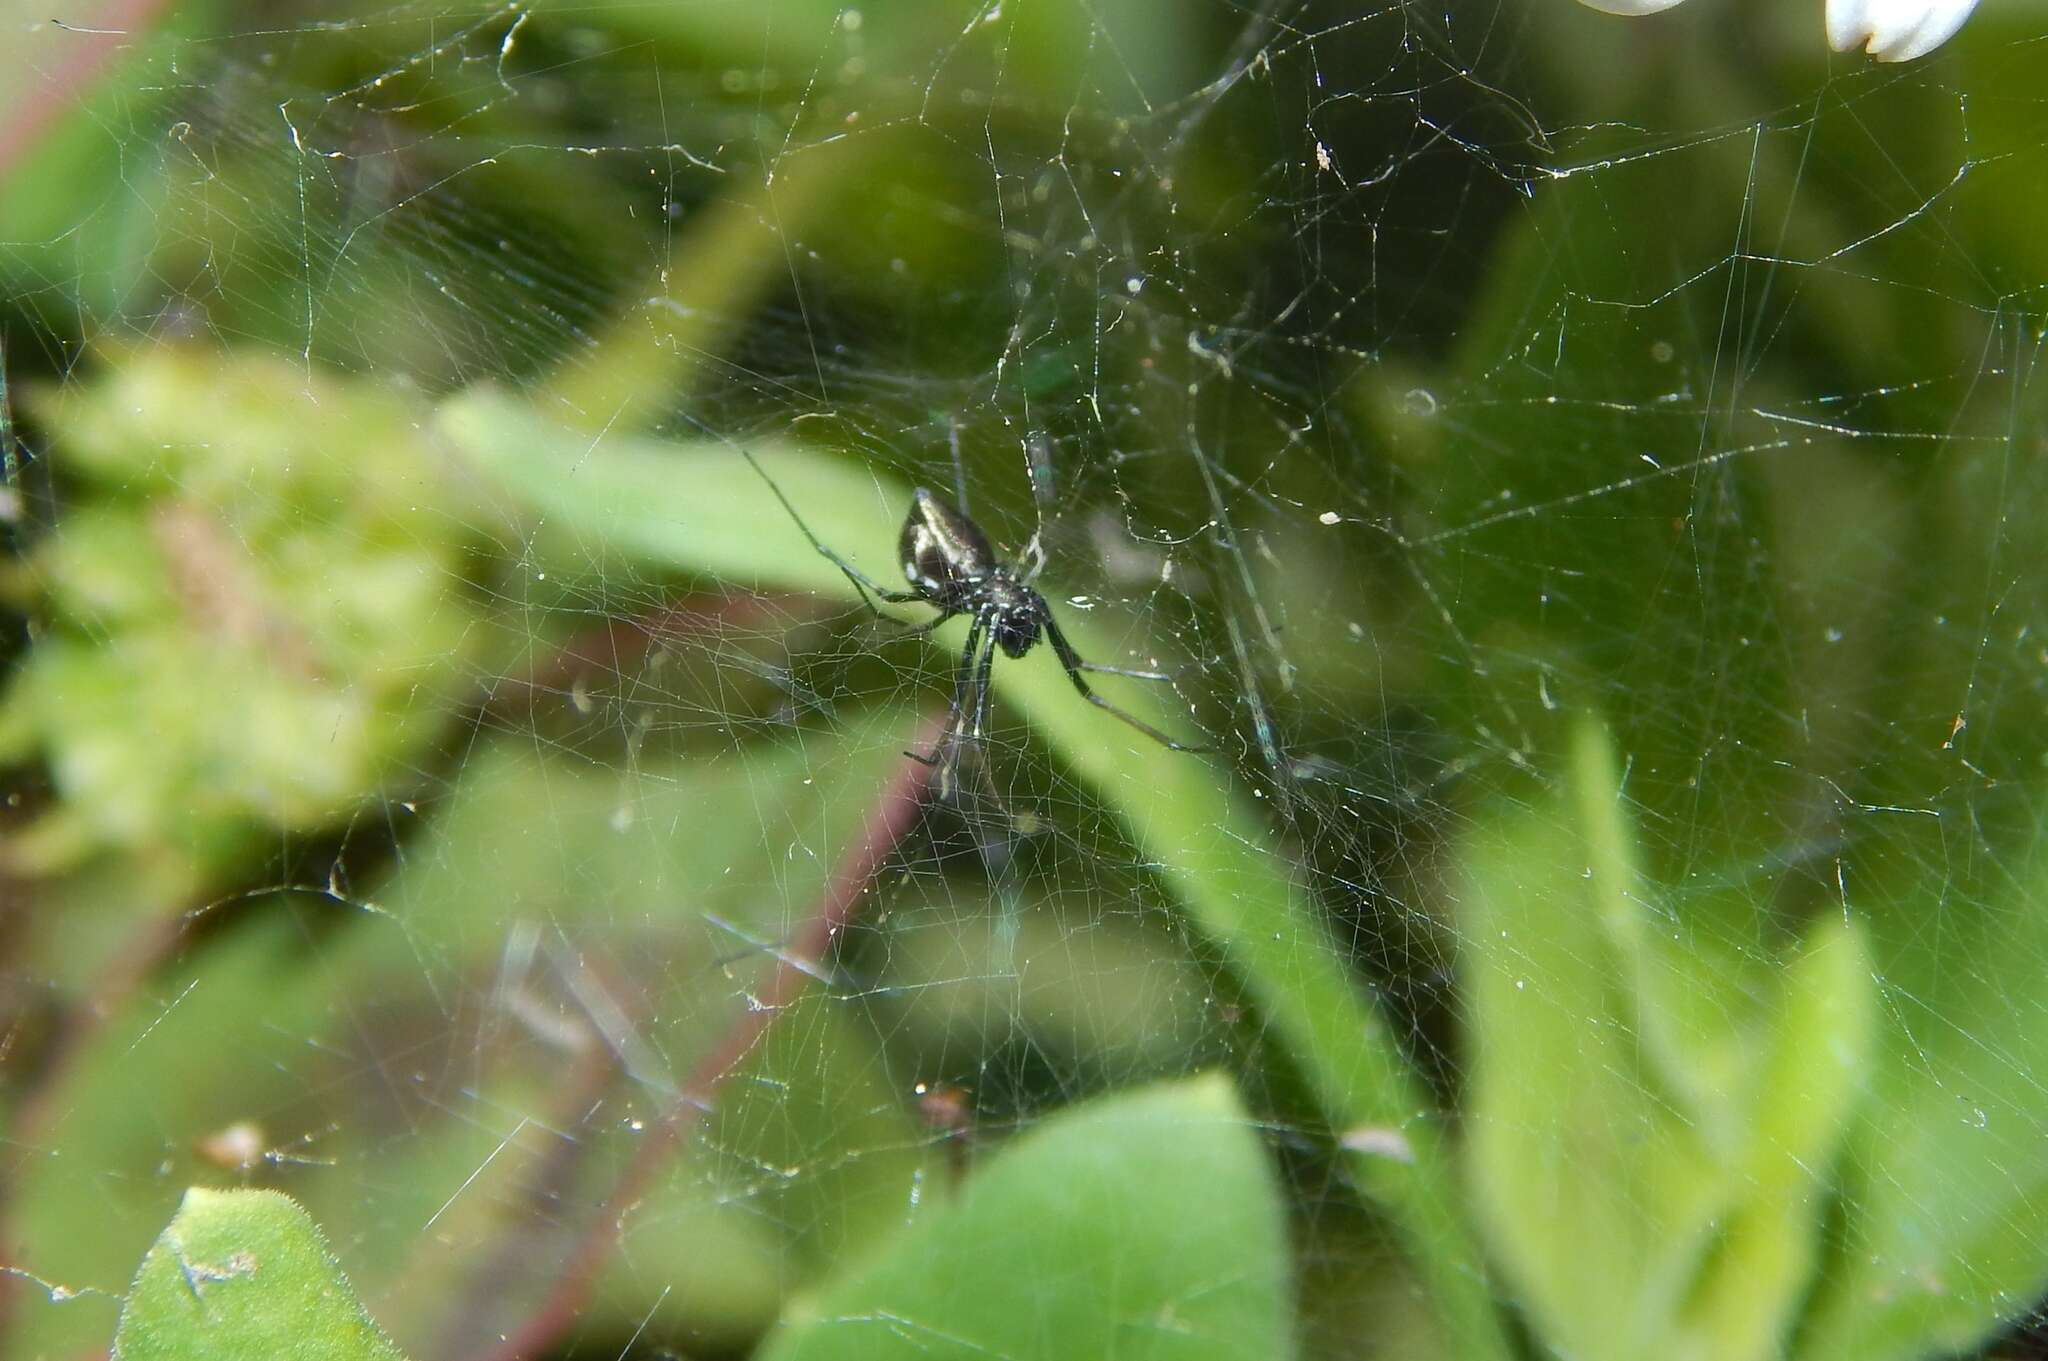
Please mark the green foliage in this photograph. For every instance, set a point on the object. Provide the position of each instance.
(276, 540)
(244, 1276)
(1652, 1128)
(1148, 1224)
(566, 857)
(1144, 1225)
(1581, 473)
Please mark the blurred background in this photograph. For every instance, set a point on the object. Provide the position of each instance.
(540, 893)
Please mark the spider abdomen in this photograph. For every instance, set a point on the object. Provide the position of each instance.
(945, 556)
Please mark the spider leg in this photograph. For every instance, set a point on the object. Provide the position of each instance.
(1071, 660)
(867, 585)
(967, 739)
(1121, 671)
(963, 681)
(916, 630)
(861, 581)
(970, 714)
(981, 688)
(964, 674)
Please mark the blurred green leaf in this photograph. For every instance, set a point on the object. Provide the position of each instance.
(244, 1276)
(1667, 998)
(1595, 1204)
(1813, 1065)
(703, 507)
(1637, 1217)
(1132, 50)
(1143, 1225)
(1946, 1189)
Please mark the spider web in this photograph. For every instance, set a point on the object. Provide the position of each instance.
(1410, 384)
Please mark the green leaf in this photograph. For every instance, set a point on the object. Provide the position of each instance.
(1947, 1187)
(1594, 1203)
(244, 1274)
(1143, 1225)
(1812, 1074)
(1679, 1041)
(1638, 1210)
(702, 507)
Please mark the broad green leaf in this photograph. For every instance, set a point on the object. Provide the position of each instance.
(244, 1276)
(1146, 1225)
(702, 507)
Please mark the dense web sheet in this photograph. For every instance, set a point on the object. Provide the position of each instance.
(1581, 475)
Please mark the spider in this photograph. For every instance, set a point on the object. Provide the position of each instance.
(952, 568)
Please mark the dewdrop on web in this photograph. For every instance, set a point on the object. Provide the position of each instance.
(1890, 30)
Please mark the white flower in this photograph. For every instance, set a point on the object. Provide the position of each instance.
(1895, 30)
(1890, 30)
(1630, 6)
